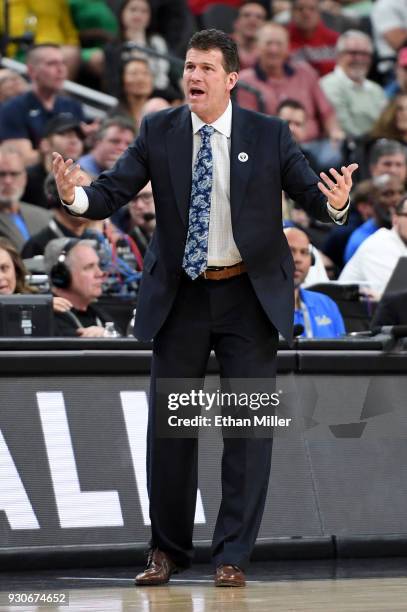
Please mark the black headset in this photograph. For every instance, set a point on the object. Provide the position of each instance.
(60, 274)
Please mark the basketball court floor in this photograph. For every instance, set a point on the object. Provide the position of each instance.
(363, 585)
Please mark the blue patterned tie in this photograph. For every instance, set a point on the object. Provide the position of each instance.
(196, 248)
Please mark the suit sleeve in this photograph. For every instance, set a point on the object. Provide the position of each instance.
(299, 180)
(116, 187)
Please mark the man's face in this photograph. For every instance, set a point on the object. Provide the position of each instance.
(355, 60)
(251, 16)
(7, 274)
(306, 15)
(207, 85)
(300, 250)
(400, 223)
(395, 165)
(295, 118)
(390, 194)
(13, 179)
(49, 70)
(272, 46)
(87, 277)
(112, 145)
(68, 144)
(141, 204)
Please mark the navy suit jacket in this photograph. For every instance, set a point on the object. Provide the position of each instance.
(162, 153)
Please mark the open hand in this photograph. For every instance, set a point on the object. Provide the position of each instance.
(68, 175)
(336, 189)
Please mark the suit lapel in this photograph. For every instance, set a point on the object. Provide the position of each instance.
(179, 148)
(241, 159)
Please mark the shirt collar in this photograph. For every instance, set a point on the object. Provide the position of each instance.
(342, 74)
(223, 124)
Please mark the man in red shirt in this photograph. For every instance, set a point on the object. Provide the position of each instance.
(310, 39)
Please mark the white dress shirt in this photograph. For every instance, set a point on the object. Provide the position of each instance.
(375, 260)
(222, 249)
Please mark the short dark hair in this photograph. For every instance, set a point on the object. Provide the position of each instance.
(290, 103)
(206, 40)
(120, 121)
(384, 147)
(35, 51)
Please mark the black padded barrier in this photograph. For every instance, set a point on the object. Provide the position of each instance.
(72, 478)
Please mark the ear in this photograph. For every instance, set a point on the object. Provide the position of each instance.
(233, 77)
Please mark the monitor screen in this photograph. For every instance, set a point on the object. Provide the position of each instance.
(27, 315)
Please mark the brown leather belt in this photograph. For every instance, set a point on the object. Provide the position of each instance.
(226, 272)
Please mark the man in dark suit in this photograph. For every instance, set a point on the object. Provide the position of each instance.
(218, 275)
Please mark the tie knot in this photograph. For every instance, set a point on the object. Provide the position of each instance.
(206, 131)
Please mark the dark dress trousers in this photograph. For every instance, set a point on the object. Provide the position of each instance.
(238, 317)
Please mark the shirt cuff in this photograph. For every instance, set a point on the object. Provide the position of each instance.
(339, 216)
(80, 203)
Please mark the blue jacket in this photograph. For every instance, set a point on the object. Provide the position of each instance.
(325, 317)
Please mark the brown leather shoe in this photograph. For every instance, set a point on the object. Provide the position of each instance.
(158, 571)
(229, 576)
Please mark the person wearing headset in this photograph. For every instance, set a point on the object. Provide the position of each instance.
(315, 312)
(75, 274)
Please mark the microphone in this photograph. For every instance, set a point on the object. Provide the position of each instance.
(149, 216)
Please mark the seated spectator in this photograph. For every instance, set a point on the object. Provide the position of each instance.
(11, 84)
(111, 140)
(137, 89)
(391, 310)
(311, 40)
(251, 16)
(296, 116)
(13, 275)
(277, 78)
(97, 25)
(51, 22)
(388, 157)
(134, 21)
(392, 122)
(61, 134)
(61, 224)
(357, 100)
(18, 220)
(316, 312)
(374, 261)
(362, 200)
(387, 191)
(75, 275)
(137, 219)
(23, 118)
(399, 84)
(389, 20)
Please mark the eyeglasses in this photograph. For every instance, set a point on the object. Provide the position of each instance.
(355, 52)
(13, 174)
(401, 214)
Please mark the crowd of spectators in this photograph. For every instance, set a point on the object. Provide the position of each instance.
(335, 70)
